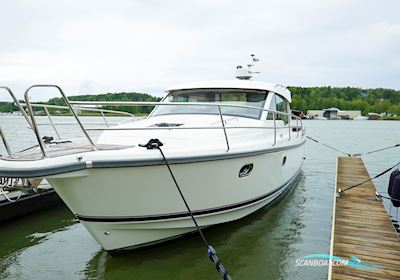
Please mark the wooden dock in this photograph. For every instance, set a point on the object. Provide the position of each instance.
(361, 227)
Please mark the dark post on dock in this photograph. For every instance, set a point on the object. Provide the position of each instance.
(362, 231)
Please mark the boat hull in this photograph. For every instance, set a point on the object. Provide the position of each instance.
(131, 207)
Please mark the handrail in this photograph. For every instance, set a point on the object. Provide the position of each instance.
(51, 122)
(139, 103)
(180, 128)
(80, 108)
(102, 111)
(74, 105)
(274, 118)
(223, 127)
(104, 118)
(5, 143)
(36, 130)
(18, 104)
(214, 104)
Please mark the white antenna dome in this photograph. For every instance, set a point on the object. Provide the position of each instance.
(246, 72)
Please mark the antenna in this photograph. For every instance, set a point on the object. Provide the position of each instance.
(246, 73)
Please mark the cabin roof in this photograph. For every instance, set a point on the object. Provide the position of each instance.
(332, 109)
(236, 84)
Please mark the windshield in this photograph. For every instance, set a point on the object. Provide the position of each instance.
(254, 98)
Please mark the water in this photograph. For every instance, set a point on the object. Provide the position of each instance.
(53, 245)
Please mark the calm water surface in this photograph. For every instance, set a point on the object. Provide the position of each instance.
(53, 245)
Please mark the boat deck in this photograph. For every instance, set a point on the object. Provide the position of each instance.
(362, 227)
(62, 149)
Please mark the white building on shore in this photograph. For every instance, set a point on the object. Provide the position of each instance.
(333, 114)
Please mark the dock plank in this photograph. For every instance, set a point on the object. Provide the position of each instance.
(361, 227)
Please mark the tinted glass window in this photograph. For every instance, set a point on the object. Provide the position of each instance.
(272, 106)
(282, 106)
(253, 98)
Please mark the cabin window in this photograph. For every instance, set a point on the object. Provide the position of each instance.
(278, 104)
(272, 107)
(252, 98)
(282, 106)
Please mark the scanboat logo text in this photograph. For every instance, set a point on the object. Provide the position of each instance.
(325, 260)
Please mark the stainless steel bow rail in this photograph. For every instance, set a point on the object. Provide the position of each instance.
(21, 109)
(31, 121)
(74, 106)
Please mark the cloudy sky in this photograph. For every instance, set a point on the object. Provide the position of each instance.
(110, 46)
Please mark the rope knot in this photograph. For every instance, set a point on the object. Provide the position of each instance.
(152, 144)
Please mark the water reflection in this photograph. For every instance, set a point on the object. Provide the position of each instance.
(28, 232)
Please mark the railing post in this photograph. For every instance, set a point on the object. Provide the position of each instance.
(77, 119)
(104, 118)
(68, 105)
(223, 127)
(289, 121)
(297, 127)
(51, 121)
(34, 126)
(20, 108)
(274, 118)
(3, 138)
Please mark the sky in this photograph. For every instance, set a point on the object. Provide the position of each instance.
(90, 47)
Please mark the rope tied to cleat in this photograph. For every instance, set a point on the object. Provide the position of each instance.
(341, 192)
(212, 254)
(378, 196)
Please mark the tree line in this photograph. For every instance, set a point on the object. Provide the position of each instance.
(378, 100)
(121, 96)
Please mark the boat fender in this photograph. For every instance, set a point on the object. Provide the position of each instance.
(391, 180)
(395, 195)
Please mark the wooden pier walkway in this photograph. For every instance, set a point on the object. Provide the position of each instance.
(361, 227)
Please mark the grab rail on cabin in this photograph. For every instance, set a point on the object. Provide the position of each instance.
(79, 105)
(218, 105)
(214, 104)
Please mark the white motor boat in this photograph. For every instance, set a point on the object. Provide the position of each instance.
(321, 118)
(233, 147)
(360, 118)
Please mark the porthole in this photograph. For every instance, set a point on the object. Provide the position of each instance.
(245, 170)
